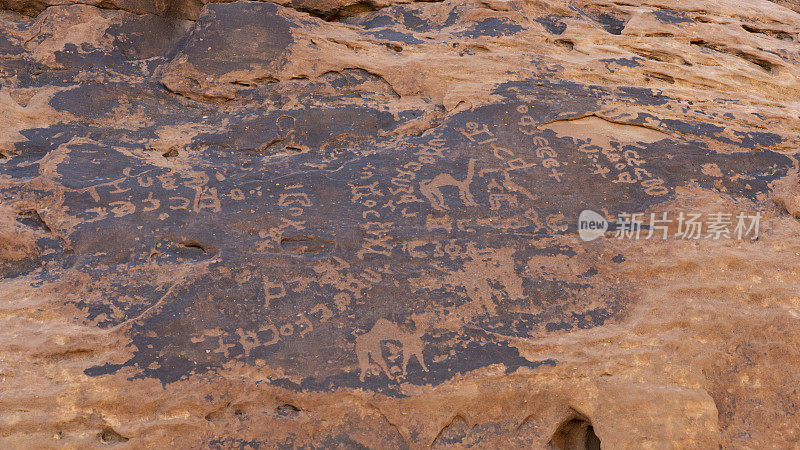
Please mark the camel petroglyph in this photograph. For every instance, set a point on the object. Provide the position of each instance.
(432, 189)
(368, 347)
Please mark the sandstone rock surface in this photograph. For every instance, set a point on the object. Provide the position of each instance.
(344, 224)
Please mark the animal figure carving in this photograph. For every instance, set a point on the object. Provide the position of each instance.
(368, 346)
(432, 189)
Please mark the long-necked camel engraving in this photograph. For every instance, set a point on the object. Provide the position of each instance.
(368, 345)
(431, 189)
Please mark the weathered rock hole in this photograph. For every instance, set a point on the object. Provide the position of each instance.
(565, 43)
(287, 409)
(337, 14)
(191, 243)
(661, 76)
(352, 11)
(267, 145)
(704, 19)
(576, 433)
(392, 46)
(267, 79)
(453, 433)
(763, 63)
(778, 34)
(109, 436)
(304, 243)
(171, 153)
(217, 414)
(660, 56)
(296, 239)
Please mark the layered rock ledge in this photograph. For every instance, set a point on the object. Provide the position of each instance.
(355, 224)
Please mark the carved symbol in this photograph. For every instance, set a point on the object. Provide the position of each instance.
(496, 200)
(431, 189)
(369, 345)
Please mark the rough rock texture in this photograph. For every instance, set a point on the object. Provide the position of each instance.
(341, 224)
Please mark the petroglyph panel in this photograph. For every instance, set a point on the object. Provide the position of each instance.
(279, 257)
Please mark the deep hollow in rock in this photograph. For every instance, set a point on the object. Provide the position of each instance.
(575, 433)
